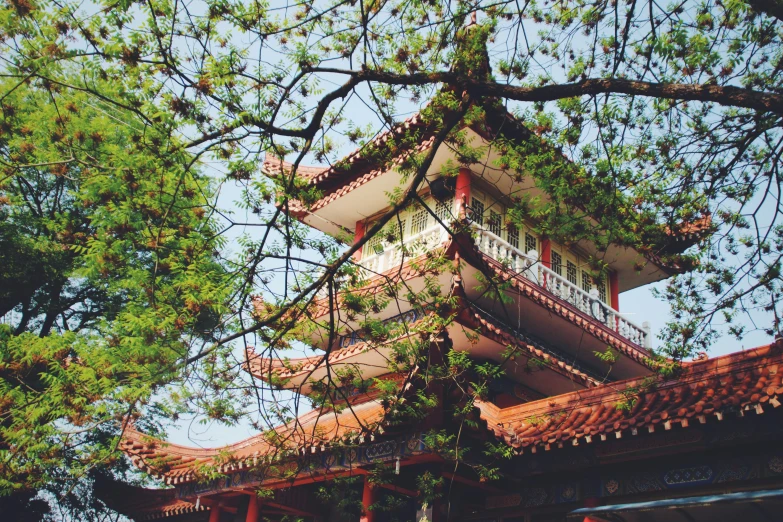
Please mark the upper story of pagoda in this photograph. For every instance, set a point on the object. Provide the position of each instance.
(476, 206)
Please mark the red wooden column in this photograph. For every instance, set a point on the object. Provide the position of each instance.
(546, 252)
(214, 513)
(252, 508)
(368, 499)
(614, 290)
(462, 191)
(358, 235)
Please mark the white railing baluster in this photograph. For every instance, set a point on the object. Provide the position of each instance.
(525, 265)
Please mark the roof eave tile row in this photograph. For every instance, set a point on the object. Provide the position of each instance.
(739, 382)
(172, 509)
(317, 431)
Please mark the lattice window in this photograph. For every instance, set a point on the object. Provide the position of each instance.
(513, 236)
(601, 283)
(373, 246)
(493, 223)
(531, 242)
(571, 272)
(478, 210)
(587, 281)
(443, 210)
(419, 222)
(557, 263)
(399, 228)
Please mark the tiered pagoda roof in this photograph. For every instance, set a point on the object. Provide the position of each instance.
(559, 308)
(390, 148)
(295, 373)
(731, 386)
(458, 248)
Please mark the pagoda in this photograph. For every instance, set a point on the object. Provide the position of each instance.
(591, 438)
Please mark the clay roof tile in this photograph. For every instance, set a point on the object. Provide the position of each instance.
(593, 411)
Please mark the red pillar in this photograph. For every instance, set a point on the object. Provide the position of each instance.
(358, 235)
(252, 508)
(462, 191)
(546, 252)
(614, 290)
(214, 513)
(368, 498)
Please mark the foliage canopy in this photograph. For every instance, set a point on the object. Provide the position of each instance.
(141, 247)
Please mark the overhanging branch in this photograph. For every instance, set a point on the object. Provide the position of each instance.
(724, 95)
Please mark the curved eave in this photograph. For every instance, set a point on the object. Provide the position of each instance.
(360, 418)
(744, 381)
(542, 297)
(141, 503)
(177, 464)
(498, 333)
(297, 374)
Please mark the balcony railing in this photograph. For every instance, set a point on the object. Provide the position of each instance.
(393, 255)
(528, 266)
(524, 265)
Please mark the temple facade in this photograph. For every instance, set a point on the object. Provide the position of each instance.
(591, 438)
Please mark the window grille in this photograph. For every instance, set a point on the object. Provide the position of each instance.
(571, 272)
(531, 243)
(557, 263)
(587, 281)
(419, 222)
(443, 210)
(493, 223)
(513, 236)
(602, 289)
(478, 210)
(399, 228)
(373, 246)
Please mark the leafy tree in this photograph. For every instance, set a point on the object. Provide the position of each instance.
(109, 277)
(118, 272)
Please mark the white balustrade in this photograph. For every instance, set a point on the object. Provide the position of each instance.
(499, 249)
(525, 265)
(394, 255)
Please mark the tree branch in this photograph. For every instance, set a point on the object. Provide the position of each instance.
(723, 95)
